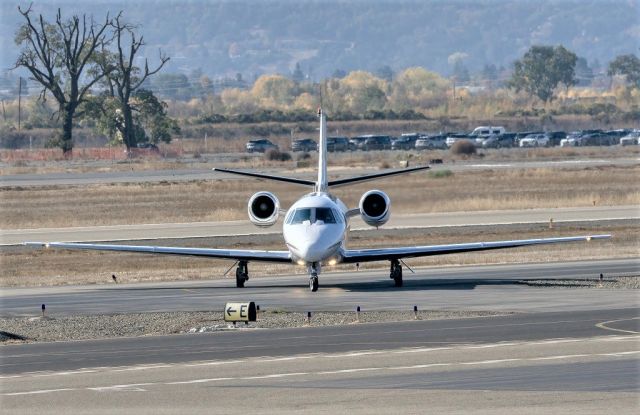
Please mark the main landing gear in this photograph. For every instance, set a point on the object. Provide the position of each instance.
(314, 270)
(396, 272)
(242, 274)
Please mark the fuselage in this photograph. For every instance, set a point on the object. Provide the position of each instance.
(315, 229)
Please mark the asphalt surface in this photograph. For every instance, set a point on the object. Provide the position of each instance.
(244, 227)
(491, 288)
(189, 174)
(553, 362)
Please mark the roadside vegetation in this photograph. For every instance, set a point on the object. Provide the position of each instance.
(90, 91)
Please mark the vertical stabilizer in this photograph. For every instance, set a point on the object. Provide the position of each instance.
(322, 183)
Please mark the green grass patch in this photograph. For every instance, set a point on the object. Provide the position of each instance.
(440, 174)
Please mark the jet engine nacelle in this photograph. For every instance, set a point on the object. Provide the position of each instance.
(375, 208)
(264, 208)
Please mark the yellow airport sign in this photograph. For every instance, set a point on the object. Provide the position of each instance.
(240, 311)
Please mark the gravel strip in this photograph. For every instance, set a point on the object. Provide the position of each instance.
(141, 324)
(630, 282)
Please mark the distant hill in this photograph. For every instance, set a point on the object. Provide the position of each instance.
(222, 38)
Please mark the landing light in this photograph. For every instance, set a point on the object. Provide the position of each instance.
(332, 262)
(301, 262)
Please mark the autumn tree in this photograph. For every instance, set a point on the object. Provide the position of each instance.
(124, 78)
(417, 88)
(542, 69)
(628, 66)
(62, 57)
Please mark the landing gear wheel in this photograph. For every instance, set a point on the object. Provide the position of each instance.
(242, 274)
(397, 279)
(313, 283)
(396, 273)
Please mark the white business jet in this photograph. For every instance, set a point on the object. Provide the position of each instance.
(316, 226)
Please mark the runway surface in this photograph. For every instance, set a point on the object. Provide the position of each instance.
(549, 361)
(189, 174)
(443, 288)
(244, 227)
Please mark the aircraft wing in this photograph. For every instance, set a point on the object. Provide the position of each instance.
(234, 254)
(379, 254)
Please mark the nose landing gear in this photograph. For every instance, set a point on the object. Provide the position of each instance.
(242, 274)
(314, 270)
(396, 272)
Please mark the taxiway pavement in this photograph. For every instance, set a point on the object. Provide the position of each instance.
(244, 227)
(491, 287)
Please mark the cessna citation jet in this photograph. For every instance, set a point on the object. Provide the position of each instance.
(316, 226)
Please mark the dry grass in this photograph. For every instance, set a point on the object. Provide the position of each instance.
(31, 267)
(60, 206)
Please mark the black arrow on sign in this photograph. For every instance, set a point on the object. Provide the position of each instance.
(230, 310)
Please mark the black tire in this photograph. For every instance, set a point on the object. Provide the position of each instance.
(313, 284)
(397, 279)
(240, 279)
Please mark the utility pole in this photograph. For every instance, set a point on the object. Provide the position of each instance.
(19, 101)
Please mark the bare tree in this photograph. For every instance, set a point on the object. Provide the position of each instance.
(62, 58)
(125, 78)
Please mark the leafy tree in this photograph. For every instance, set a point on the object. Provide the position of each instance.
(542, 69)
(124, 79)
(627, 65)
(62, 57)
(273, 91)
(385, 72)
(489, 72)
(171, 85)
(418, 88)
(298, 75)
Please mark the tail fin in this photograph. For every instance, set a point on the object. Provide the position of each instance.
(323, 182)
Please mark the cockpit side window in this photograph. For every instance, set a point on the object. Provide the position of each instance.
(325, 215)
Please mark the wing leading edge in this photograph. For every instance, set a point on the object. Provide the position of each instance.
(366, 255)
(235, 254)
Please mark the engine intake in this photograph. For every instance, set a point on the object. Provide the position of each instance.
(375, 208)
(264, 208)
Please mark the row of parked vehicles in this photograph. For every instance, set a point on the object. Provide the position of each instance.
(481, 137)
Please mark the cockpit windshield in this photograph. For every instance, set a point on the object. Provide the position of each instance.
(300, 215)
(325, 215)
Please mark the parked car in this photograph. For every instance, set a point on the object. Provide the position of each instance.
(377, 142)
(535, 140)
(633, 138)
(497, 141)
(260, 145)
(304, 144)
(571, 140)
(338, 144)
(453, 137)
(430, 142)
(597, 139)
(405, 142)
(555, 137)
(357, 143)
(149, 146)
(522, 134)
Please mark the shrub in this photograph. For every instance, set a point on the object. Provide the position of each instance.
(440, 174)
(276, 155)
(463, 147)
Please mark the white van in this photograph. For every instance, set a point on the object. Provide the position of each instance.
(479, 134)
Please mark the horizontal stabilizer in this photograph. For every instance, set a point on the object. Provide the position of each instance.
(358, 179)
(332, 183)
(267, 177)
